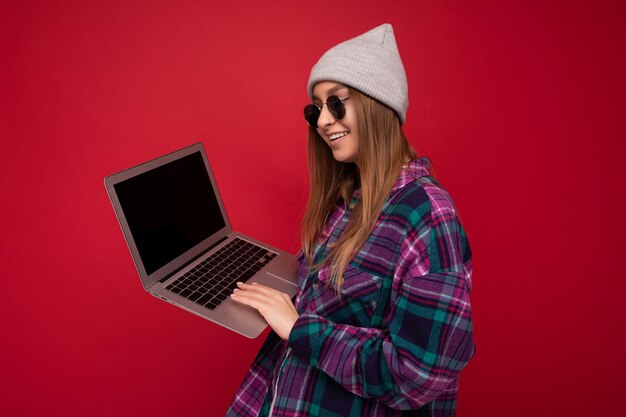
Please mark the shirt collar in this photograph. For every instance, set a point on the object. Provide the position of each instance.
(415, 169)
(411, 171)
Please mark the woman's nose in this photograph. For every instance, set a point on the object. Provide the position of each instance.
(326, 117)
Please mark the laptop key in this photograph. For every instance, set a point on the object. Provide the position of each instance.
(204, 299)
(246, 275)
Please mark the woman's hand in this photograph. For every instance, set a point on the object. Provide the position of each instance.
(275, 306)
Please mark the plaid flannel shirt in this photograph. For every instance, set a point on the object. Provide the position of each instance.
(395, 341)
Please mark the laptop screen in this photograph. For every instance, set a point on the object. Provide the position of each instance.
(170, 209)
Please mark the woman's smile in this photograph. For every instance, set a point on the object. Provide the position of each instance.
(333, 137)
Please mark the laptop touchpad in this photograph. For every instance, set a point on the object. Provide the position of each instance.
(275, 282)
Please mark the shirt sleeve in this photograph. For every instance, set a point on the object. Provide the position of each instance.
(428, 338)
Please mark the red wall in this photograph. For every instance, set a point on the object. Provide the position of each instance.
(520, 105)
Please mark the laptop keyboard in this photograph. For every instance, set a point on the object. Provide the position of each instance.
(214, 279)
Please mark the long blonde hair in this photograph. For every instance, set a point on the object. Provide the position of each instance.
(382, 150)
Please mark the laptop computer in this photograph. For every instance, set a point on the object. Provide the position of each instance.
(180, 238)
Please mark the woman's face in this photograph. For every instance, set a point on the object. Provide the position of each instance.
(340, 135)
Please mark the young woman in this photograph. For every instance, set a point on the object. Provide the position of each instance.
(381, 324)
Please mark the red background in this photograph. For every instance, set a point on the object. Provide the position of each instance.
(520, 105)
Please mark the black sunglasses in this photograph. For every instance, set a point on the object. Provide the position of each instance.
(335, 107)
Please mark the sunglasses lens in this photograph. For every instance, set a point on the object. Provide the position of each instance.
(311, 114)
(336, 107)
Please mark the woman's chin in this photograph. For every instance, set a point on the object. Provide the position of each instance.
(346, 159)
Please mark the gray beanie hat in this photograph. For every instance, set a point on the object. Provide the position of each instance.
(369, 63)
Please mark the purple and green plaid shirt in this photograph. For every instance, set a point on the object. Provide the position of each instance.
(396, 340)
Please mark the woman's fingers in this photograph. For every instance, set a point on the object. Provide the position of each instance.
(276, 307)
(258, 288)
(256, 292)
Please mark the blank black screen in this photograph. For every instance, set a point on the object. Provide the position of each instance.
(170, 209)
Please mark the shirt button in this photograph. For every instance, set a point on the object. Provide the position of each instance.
(331, 245)
(315, 286)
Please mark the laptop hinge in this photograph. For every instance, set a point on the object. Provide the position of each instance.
(168, 276)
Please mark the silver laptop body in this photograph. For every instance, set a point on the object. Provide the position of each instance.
(174, 222)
